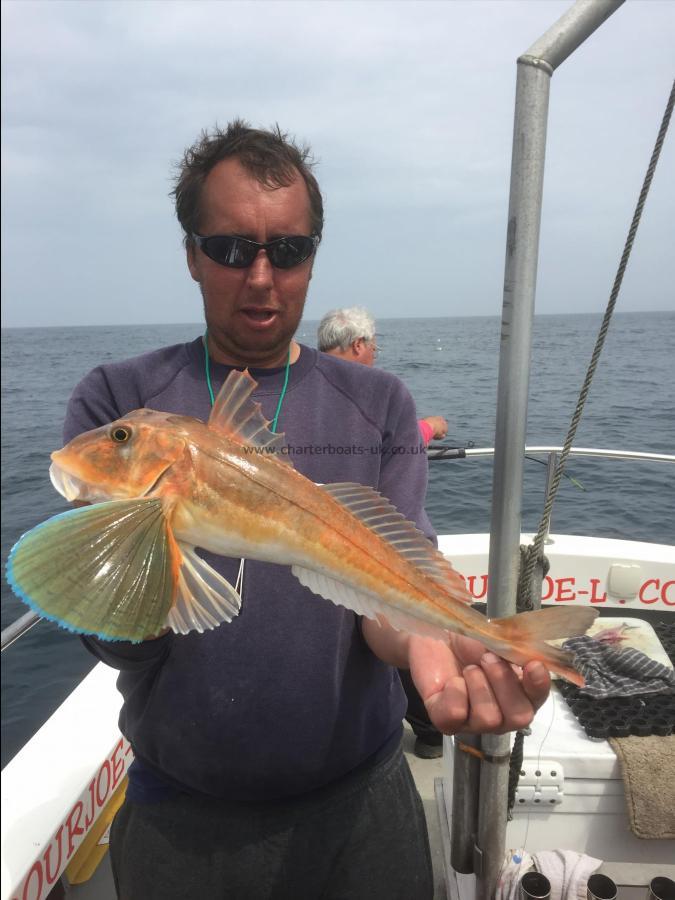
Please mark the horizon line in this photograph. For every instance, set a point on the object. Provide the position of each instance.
(378, 319)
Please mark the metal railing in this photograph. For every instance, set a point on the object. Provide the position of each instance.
(18, 628)
(437, 451)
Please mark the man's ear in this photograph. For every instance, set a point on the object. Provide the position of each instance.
(191, 255)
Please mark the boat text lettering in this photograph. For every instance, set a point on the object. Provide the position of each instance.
(652, 592)
(48, 867)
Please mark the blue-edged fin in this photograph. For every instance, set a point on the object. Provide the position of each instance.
(204, 598)
(114, 570)
(238, 417)
(110, 569)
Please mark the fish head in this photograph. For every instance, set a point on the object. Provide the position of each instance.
(118, 461)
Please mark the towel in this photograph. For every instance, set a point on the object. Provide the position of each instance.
(648, 771)
(567, 871)
(516, 864)
(618, 671)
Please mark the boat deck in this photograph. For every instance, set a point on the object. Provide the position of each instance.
(426, 772)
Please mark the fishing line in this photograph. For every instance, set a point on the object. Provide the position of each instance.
(239, 585)
(521, 853)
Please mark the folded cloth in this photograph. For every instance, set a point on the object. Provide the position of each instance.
(567, 871)
(648, 771)
(516, 864)
(618, 671)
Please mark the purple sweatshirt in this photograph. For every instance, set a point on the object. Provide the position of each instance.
(287, 697)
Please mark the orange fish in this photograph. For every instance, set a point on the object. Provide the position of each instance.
(161, 485)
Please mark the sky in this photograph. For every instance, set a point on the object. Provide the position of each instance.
(408, 108)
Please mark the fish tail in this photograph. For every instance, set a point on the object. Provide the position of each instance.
(556, 660)
(547, 624)
(523, 637)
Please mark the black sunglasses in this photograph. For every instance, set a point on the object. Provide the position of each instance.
(239, 253)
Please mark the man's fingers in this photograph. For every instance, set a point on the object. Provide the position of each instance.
(515, 705)
(489, 698)
(466, 703)
(466, 688)
(485, 714)
(534, 679)
(432, 663)
(449, 708)
(440, 682)
(495, 700)
(536, 683)
(467, 650)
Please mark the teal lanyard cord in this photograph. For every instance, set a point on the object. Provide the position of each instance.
(207, 369)
(283, 390)
(207, 372)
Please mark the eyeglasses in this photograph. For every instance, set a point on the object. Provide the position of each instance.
(239, 253)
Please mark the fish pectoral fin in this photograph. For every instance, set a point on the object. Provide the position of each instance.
(368, 605)
(204, 598)
(239, 418)
(109, 569)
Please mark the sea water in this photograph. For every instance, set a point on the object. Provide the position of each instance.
(450, 366)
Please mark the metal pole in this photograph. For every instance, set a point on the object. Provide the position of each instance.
(14, 631)
(535, 68)
(527, 178)
(466, 771)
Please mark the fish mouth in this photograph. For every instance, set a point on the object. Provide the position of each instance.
(73, 488)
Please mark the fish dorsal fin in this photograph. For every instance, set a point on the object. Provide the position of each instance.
(382, 517)
(240, 418)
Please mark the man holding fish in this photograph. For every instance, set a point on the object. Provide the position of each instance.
(267, 748)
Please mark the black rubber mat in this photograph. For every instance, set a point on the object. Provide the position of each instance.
(621, 716)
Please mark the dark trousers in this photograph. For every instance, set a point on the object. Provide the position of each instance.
(365, 839)
(417, 714)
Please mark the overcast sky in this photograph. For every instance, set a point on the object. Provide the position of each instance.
(408, 107)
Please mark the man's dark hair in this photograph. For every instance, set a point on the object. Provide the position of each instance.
(270, 156)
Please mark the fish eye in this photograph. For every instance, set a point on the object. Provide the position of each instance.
(120, 434)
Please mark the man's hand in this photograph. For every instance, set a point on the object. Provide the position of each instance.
(438, 425)
(466, 688)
